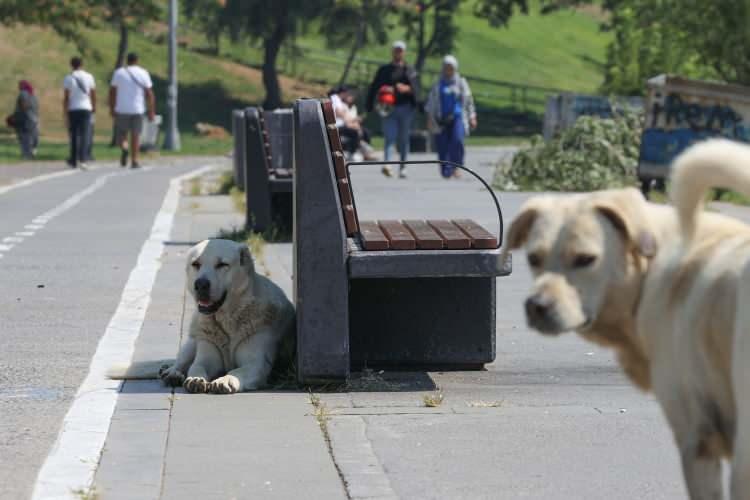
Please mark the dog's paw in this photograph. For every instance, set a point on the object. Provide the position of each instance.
(196, 385)
(171, 376)
(228, 384)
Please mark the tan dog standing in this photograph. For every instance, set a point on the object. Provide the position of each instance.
(241, 321)
(612, 267)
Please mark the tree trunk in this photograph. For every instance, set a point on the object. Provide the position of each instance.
(271, 48)
(355, 48)
(122, 46)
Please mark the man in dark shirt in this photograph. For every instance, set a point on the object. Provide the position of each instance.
(394, 92)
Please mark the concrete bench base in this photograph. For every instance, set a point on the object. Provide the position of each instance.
(426, 323)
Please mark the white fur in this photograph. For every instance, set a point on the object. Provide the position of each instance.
(233, 349)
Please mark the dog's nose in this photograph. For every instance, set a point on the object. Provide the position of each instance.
(202, 285)
(538, 306)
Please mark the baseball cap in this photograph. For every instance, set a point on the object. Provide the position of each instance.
(399, 44)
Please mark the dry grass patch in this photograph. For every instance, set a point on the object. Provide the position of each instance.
(433, 399)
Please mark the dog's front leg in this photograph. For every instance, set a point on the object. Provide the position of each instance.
(702, 474)
(208, 365)
(254, 358)
(174, 375)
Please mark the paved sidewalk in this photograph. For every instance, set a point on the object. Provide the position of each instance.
(551, 418)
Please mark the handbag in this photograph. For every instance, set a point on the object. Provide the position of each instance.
(10, 120)
(446, 121)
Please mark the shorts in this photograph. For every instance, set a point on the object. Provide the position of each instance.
(128, 123)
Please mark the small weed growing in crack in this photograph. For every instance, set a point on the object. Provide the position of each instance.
(434, 399)
(89, 493)
(196, 187)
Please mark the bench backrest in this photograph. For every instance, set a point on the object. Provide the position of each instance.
(339, 166)
(239, 154)
(320, 250)
(279, 124)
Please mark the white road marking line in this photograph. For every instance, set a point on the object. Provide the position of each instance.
(33, 226)
(39, 222)
(72, 463)
(34, 180)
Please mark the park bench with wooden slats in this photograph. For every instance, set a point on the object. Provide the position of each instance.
(268, 169)
(395, 293)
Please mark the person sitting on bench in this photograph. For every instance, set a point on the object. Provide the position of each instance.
(349, 124)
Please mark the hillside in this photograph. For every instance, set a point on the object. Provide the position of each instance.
(563, 50)
(209, 88)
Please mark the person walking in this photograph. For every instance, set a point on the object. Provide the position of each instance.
(450, 115)
(394, 92)
(25, 120)
(130, 96)
(79, 104)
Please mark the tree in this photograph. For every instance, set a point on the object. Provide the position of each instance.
(127, 15)
(271, 24)
(66, 18)
(431, 24)
(208, 17)
(358, 22)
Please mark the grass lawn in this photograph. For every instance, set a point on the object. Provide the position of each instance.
(209, 87)
(563, 50)
(192, 144)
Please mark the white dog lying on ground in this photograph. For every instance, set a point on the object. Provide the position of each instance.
(241, 322)
(668, 295)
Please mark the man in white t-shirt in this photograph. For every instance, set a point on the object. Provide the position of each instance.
(131, 95)
(79, 103)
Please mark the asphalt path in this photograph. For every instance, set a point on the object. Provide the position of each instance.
(67, 246)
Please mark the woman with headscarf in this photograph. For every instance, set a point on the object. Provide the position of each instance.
(25, 119)
(450, 115)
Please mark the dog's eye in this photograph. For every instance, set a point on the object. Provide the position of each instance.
(534, 260)
(220, 265)
(583, 260)
(196, 265)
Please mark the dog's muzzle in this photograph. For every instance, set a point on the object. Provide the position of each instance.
(209, 307)
(203, 297)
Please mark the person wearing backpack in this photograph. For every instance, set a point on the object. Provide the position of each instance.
(79, 104)
(130, 96)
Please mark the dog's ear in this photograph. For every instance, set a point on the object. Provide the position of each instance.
(625, 210)
(246, 259)
(521, 226)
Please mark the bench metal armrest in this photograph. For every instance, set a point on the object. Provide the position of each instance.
(432, 162)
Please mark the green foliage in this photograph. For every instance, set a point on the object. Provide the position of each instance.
(594, 154)
(268, 23)
(431, 25)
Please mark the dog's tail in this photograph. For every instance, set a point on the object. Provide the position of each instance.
(714, 163)
(140, 370)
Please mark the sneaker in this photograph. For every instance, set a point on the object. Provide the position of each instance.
(70, 163)
(387, 171)
(402, 173)
(124, 158)
(135, 165)
(83, 166)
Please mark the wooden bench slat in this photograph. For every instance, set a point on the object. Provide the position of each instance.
(345, 192)
(454, 238)
(328, 114)
(339, 164)
(480, 237)
(350, 220)
(372, 236)
(334, 139)
(399, 237)
(427, 238)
